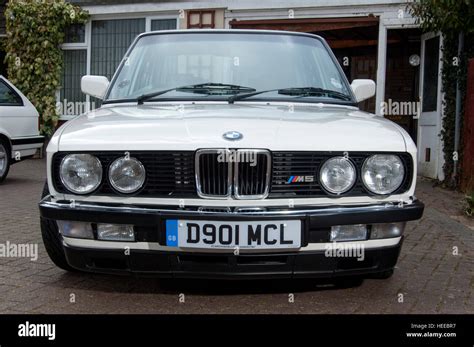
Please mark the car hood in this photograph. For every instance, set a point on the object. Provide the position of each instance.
(313, 127)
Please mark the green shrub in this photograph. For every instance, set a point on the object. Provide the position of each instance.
(450, 17)
(470, 204)
(35, 31)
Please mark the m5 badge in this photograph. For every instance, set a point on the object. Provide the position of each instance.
(300, 179)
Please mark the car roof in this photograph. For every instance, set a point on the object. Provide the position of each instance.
(229, 31)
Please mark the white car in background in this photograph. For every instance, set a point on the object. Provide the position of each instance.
(19, 134)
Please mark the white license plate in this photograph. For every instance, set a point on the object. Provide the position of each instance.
(241, 235)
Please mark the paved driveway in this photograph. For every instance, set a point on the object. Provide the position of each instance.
(429, 278)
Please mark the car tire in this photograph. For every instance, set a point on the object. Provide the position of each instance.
(52, 240)
(348, 282)
(5, 159)
(383, 275)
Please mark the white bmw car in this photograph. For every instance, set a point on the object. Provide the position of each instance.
(19, 134)
(229, 154)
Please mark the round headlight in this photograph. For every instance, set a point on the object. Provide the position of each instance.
(81, 173)
(338, 175)
(127, 175)
(383, 173)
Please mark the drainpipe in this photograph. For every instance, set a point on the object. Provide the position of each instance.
(457, 121)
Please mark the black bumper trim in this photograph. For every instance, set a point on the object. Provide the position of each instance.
(217, 266)
(315, 216)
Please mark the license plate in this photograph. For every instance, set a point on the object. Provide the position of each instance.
(241, 235)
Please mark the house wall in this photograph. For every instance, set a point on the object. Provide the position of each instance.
(119, 6)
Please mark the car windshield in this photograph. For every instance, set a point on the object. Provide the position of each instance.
(195, 66)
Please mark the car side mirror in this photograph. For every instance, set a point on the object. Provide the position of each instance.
(95, 86)
(363, 89)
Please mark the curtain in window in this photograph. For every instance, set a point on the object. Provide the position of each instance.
(75, 63)
(163, 24)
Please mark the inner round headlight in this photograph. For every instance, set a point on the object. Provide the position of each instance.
(81, 173)
(383, 173)
(338, 175)
(127, 175)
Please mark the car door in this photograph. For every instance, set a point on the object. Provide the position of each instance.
(18, 116)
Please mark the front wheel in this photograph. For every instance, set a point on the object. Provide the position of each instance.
(5, 159)
(348, 282)
(383, 275)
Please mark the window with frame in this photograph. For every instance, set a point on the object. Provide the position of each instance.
(72, 100)
(8, 97)
(201, 19)
(110, 40)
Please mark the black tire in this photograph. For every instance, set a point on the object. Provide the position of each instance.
(348, 282)
(383, 275)
(52, 240)
(5, 148)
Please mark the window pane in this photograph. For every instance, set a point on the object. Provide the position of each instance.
(430, 75)
(71, 97)
(75, 33)
(110, 41)
(163, 24)
(8, 96)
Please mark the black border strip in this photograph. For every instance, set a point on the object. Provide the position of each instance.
(136, 330)
(28, 141)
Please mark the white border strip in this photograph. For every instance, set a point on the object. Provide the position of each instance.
(153, 246)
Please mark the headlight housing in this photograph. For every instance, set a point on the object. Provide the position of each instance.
(127, 175)
(383, 173)
(81, 173)
(338, 175)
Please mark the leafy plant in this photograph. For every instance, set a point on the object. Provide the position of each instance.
(470, 204)
(444, 15)
(450, 17)
(35, 31)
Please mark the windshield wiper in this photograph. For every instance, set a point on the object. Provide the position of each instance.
(204, 88)
(299, 91)
(248, 95)
(313, 91)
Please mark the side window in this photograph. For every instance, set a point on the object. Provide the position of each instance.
(8, 97)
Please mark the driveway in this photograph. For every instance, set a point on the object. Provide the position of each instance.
(435, 271)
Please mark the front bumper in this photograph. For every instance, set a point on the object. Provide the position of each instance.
(312, 264)
(150, 256)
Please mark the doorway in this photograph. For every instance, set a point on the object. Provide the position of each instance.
(430, 158)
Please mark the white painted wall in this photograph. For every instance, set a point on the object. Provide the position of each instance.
(237, 5)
